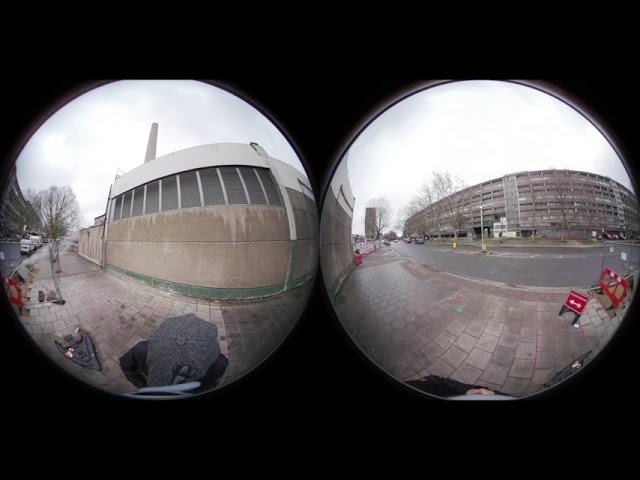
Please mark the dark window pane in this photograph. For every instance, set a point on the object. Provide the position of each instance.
(126, 208)
(211, 189)
(189, 191)
(269, 187)
(254, 189)
(115, 209)
(153, 197)
(233, 186)
(138, 199)
(169, 194)
(118, 208)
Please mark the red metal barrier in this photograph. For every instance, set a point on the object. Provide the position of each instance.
(15, 293)
(615, 287)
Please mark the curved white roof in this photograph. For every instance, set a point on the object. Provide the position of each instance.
(204, 156)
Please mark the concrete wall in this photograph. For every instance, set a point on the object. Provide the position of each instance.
(228, 250)
(90, 244)
(305, 214)
(222, 247)
(336, 253)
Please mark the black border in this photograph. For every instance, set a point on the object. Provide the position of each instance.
(316, 367)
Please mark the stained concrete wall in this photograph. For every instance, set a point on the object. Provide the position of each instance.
(307, 226)
(90, 244)
(253, 248)
(336, 253)
(215, 247)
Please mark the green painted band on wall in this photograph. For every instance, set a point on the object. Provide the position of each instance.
(292, 263)
(337, 283)
(201, 292)
(303, 279)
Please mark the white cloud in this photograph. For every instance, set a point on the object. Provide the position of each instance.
(86, 141)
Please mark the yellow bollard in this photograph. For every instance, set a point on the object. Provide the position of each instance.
(454, 245)
(484, 248)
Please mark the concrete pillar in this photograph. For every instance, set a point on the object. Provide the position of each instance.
(153, 142)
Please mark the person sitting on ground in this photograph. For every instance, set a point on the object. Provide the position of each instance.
(136, 370)
(181, 350)
(447, 387)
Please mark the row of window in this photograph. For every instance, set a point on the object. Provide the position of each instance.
(198, 188)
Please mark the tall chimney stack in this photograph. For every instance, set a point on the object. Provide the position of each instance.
(153, 142)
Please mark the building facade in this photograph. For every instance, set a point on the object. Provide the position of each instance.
(99, 220)
(213, 221)
(336, 239)
(17, 215)
(370, 224)
(547, 203)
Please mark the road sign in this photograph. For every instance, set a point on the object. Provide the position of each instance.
(576, 302)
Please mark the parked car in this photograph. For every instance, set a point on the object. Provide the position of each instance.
(419, 241)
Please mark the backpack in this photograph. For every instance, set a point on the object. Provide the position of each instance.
(80, 352)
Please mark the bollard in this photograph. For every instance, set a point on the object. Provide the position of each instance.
(484, 248)
(454, 245)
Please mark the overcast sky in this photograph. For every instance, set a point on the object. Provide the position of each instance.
(86, 141)
(479, 130)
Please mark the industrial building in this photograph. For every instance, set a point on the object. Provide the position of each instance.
(211, 221)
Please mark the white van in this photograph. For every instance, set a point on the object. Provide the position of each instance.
(25, 246)
(36, 241)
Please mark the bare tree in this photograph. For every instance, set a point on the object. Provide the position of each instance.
(59, 211)
(410, 220)
(445, 188)
(534, 211)
(439, 205)
(565, 198)
(30, 213)
(536, 199)
(392, 235)
(383, 214)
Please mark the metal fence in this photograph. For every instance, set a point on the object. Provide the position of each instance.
(56, 269)
(10, 258)
(621, 257)
(366, 246)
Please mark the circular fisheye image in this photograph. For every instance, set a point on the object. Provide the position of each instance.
(480, 240)
(158, 238)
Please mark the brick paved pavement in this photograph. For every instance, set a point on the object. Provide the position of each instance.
(414, 321)
(119, 312)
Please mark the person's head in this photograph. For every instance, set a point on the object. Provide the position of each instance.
(181, 350)
(480, 391)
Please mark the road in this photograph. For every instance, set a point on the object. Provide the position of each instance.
(520, 266)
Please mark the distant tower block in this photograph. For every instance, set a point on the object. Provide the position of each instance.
(151, 146)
